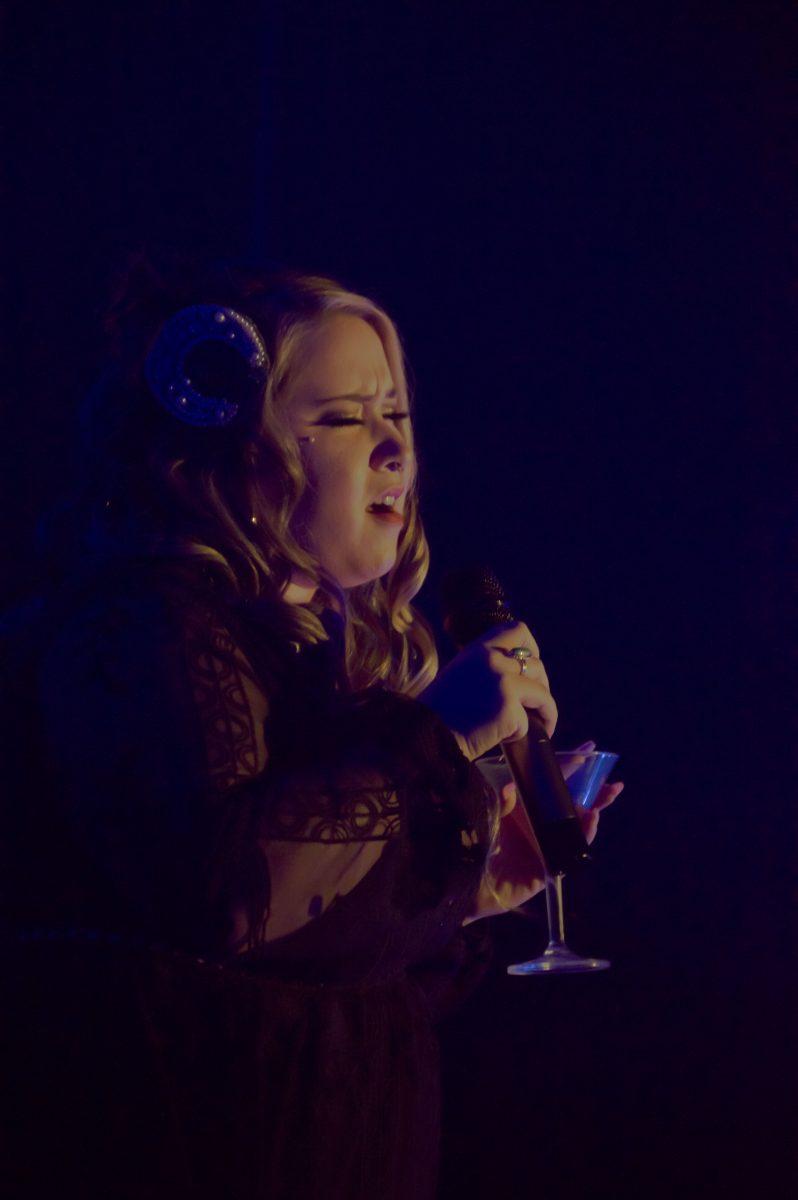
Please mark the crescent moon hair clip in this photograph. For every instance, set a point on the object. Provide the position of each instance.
(165, 367)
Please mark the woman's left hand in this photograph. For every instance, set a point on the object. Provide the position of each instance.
(515, 870)
(589, 817)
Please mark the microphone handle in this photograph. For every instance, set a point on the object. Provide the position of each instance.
(474, 602)
(545, 796)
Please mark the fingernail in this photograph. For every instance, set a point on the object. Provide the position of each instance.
(587, 746)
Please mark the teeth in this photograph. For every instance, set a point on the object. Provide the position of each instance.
(386, 502)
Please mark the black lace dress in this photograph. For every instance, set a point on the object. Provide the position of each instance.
(233, 895)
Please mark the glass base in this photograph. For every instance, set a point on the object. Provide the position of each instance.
(558, 959)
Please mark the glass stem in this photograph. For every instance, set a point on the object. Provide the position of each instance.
(554, 910)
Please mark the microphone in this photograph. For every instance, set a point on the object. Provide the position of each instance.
(473, 601)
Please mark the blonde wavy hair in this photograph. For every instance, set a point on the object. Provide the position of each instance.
(147, 484)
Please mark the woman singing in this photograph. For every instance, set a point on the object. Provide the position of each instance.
(246, 844)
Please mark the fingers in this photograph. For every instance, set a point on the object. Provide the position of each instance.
(537, 699)
(530, 704)
(521, 693)
(509, 636)
(589, 820)
(572, 765)
(608, 793)
(502, 664)
(589, 817)
(529, 689)
(508, 799)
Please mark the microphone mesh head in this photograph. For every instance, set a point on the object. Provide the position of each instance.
(472, 601)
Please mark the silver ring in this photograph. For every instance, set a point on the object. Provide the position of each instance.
(520, 654)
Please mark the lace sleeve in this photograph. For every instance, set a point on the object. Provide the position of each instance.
(301, 808)
(229, 794)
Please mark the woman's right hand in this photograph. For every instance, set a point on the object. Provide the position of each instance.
(482, 695)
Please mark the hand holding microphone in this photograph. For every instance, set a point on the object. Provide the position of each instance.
(486, 699)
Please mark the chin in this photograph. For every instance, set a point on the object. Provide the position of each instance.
(357, 577)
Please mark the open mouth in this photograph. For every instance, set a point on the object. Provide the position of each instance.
(383, 513)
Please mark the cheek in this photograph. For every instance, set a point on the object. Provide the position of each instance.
(335, 496)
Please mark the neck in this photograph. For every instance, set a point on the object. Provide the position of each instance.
(300, 590)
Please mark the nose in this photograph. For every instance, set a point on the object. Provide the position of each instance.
(392, 453)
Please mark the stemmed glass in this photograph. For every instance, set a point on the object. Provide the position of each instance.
(584, 773)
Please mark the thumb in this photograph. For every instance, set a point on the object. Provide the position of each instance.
(508, 798)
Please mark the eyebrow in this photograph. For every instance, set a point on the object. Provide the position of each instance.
(354, 396)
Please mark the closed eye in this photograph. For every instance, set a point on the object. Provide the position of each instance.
(356, 421)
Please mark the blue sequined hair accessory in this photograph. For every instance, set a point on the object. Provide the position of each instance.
(206, 391)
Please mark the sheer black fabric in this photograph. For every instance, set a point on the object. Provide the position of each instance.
(233, 902)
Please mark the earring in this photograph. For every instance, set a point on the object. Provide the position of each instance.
(308, 439)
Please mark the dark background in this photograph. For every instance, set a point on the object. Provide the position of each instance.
(578, 215)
